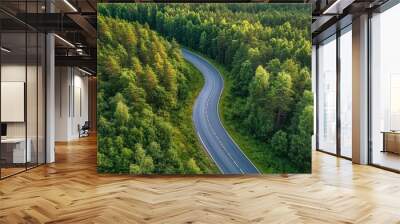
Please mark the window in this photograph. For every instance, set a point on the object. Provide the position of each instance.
(346, 92)
(327, 95)
(385, 89)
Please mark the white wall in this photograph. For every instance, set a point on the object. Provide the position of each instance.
(71, 102)
(10, 73)
(16, 73)
(62, 82)
(80, 109)
(33, 127)
(13, 72)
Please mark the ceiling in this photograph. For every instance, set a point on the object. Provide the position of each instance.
(331, 14)
(74, 22)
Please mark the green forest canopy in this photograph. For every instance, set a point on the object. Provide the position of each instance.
(267, 50)
(145, 92)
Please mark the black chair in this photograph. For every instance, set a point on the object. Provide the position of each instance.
(84, 130)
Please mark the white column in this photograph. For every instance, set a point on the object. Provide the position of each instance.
(360, 90)
(50, 92)
(50, 99)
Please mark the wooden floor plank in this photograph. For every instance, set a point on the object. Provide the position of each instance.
(71, 191)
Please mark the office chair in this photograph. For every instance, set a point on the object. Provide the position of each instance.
(84, 130)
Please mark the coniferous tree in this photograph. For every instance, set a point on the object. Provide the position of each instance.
(265, 48)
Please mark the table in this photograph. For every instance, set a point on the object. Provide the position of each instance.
(13, 150)
(391, 141)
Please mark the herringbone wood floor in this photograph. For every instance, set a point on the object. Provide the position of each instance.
(70, 191)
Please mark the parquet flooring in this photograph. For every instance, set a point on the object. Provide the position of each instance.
(70, 191)
(8, 171)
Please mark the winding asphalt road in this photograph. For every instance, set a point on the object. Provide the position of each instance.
(215, 139)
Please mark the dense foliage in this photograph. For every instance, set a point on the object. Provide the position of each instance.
(267, 51)
(145, 94)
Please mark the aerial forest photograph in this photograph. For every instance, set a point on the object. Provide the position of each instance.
(190, 88)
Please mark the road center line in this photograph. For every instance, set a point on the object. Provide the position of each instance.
(212, 129)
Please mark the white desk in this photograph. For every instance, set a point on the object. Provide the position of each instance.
(391, 141)
(19, 154)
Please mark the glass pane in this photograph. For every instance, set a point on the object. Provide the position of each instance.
(13, 86)
(385, 90)
(22, 88)
(327, 96)
(31, 97)
(346, 93)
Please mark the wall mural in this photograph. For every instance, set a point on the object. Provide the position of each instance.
(204, 88)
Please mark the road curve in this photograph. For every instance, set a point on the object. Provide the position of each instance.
(215, 139)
